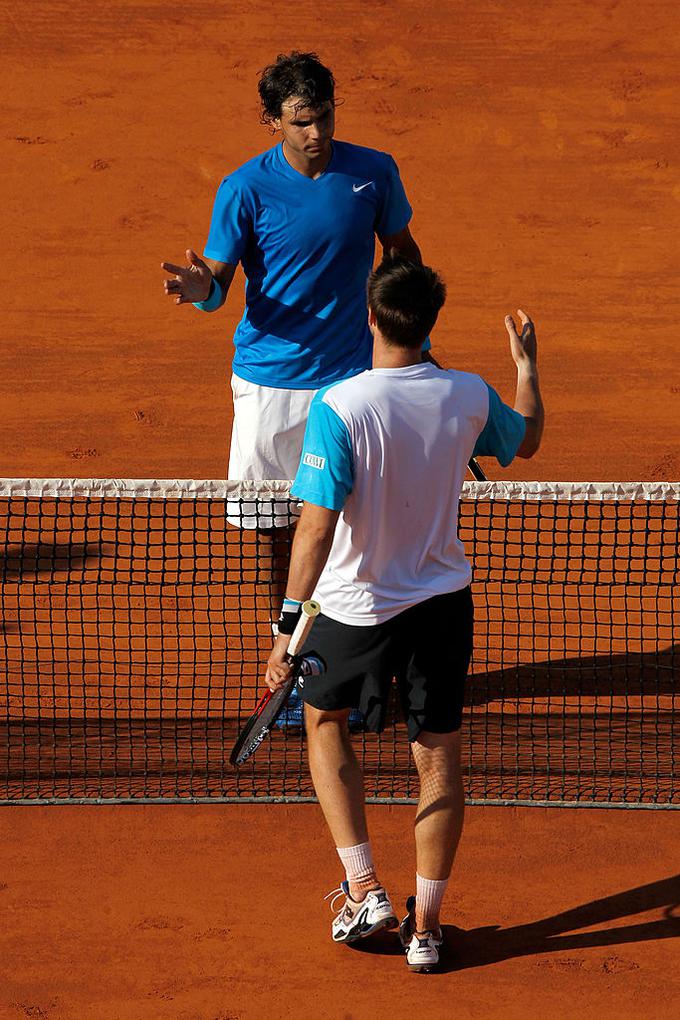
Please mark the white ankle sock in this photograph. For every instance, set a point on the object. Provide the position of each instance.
(358, 863)
(429, 896)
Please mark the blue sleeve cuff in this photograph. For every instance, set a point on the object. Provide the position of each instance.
(214, 298)
(230, 258)
(503, 433)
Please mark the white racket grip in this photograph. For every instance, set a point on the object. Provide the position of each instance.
(310, 610)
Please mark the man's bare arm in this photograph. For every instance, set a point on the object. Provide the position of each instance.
(223, 273)
(311, 546)
(401, 244)
(193, 282)
(528, 400)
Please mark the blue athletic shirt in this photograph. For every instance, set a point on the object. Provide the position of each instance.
(389, 448)
(307, 249)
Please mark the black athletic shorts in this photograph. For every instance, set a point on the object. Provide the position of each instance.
(426, 649)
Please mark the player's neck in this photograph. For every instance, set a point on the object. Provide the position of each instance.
(308, 166)
(387, 356)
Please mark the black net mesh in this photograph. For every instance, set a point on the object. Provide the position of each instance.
(134, 629)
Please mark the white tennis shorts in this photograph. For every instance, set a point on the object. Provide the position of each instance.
(266, 444)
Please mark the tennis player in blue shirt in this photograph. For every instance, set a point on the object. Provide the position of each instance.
(302, 219)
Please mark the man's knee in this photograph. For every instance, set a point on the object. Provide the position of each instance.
(437, 754)
(319, 720)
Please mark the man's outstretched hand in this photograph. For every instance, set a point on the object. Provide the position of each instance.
(188, 283)
(522, 345)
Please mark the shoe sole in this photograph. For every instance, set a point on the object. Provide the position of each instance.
(405, 936)
(422, 968)
(387, 922)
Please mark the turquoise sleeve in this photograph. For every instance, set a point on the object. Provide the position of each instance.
(503, 433)
(326, 475)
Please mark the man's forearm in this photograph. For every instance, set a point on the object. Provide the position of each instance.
(311, 546)
(529, 404)
(402, 243)
(223, 274)
(407, 247)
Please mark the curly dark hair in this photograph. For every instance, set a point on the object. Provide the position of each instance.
(295, 74)
(405, 298)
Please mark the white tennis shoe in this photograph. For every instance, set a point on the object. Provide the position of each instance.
(422, 949)
(357, 920)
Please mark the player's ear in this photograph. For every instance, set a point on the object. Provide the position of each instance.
(371, 317)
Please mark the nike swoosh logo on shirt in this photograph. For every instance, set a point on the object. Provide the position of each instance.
(360, 187)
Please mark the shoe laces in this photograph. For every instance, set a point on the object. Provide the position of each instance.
(334, 895)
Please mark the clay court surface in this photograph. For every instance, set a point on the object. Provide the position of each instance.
(539, 147)
(141, 912)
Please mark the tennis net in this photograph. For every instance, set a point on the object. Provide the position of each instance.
(135, 624)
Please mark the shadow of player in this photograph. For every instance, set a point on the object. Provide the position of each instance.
(39, 563)
(624, 673)
(480, 947)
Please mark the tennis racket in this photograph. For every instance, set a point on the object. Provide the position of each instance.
(476, 471)
(272, 703)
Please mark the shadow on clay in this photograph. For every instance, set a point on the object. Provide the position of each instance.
(479, 947)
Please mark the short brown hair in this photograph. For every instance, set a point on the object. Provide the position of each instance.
(295, 74)
(405, 298)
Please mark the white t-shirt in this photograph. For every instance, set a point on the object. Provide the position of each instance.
(389, 448)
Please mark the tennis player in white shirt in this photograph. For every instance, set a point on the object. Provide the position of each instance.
(383, 463)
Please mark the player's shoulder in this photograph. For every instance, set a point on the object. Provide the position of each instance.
(249, 173)
(340, 396)
(363, 159)
(468, 387)
(468, 379)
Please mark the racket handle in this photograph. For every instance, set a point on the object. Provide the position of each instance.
(309, 611)
(476, 471)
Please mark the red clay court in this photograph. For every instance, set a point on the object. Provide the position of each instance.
(537, 144)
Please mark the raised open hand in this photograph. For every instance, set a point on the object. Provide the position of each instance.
(522, 346)
(188, 283)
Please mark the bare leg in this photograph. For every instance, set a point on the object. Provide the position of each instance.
(439, 819)
(337, 776)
